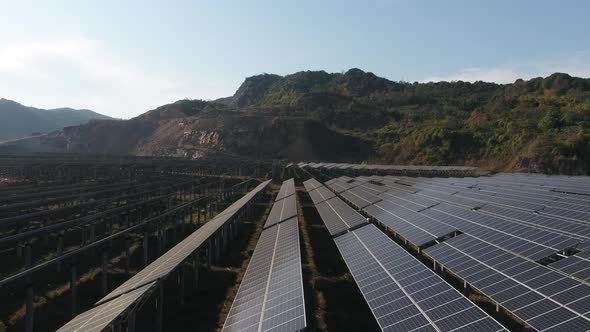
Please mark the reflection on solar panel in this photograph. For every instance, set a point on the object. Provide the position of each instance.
(99, 317)
(544, 299)
(321, 194)
(162, 266)
(270, 297)
(338, 216)
(403, 294)
(287, 189)
(282, 210)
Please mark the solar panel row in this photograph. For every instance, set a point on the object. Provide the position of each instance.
(119, 300)
(544, 299)
(282, 210)
(321, 194)
(384, 167)
(450, 210)
(312, 184)
(533, 226)
(577, 266)
(338, 216)
(287, 189)
(172, 258)
(403, 294)
(270, 297)
(98, 318)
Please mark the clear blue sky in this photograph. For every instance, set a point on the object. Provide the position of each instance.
(123, 58)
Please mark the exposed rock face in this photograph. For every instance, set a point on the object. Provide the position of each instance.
(256, 136)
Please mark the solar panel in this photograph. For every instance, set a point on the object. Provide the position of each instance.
(373, 188)
(409, 201)
(339, 216)
(403, 294)
(568, 227)
(577, 266)
(542, 298)
(172, 258)
(532, 237)
(270, 297)
(321, 194)
(281, 211)
(360, 198)
(340, 187)
(509, 242)
(312, 184)
(287, 189)
(411, 225)
(99, 317)
(578, 216)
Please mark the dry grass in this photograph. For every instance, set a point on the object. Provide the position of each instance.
(320, 305)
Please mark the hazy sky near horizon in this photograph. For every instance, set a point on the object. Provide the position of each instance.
(122, 58)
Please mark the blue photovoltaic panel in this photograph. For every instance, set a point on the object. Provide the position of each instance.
(541, 297)
(403, 294)
(270, 297)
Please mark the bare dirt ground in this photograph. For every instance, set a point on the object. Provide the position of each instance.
(338, 304)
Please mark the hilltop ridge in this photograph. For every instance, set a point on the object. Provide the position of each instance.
(541, 124)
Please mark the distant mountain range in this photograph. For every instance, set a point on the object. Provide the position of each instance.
(542, 124)
(18, 121)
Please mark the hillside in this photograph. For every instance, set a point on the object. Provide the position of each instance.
(17, 121)
(542, 124)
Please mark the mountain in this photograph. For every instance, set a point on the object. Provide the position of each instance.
(542, 124)
(17, 121)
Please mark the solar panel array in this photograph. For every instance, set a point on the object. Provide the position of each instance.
(172, 258)
(422, 210)
(270, 297)
(383, 167)
(120, 299)
(403, 294)
(506, 225)
(544, 299)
